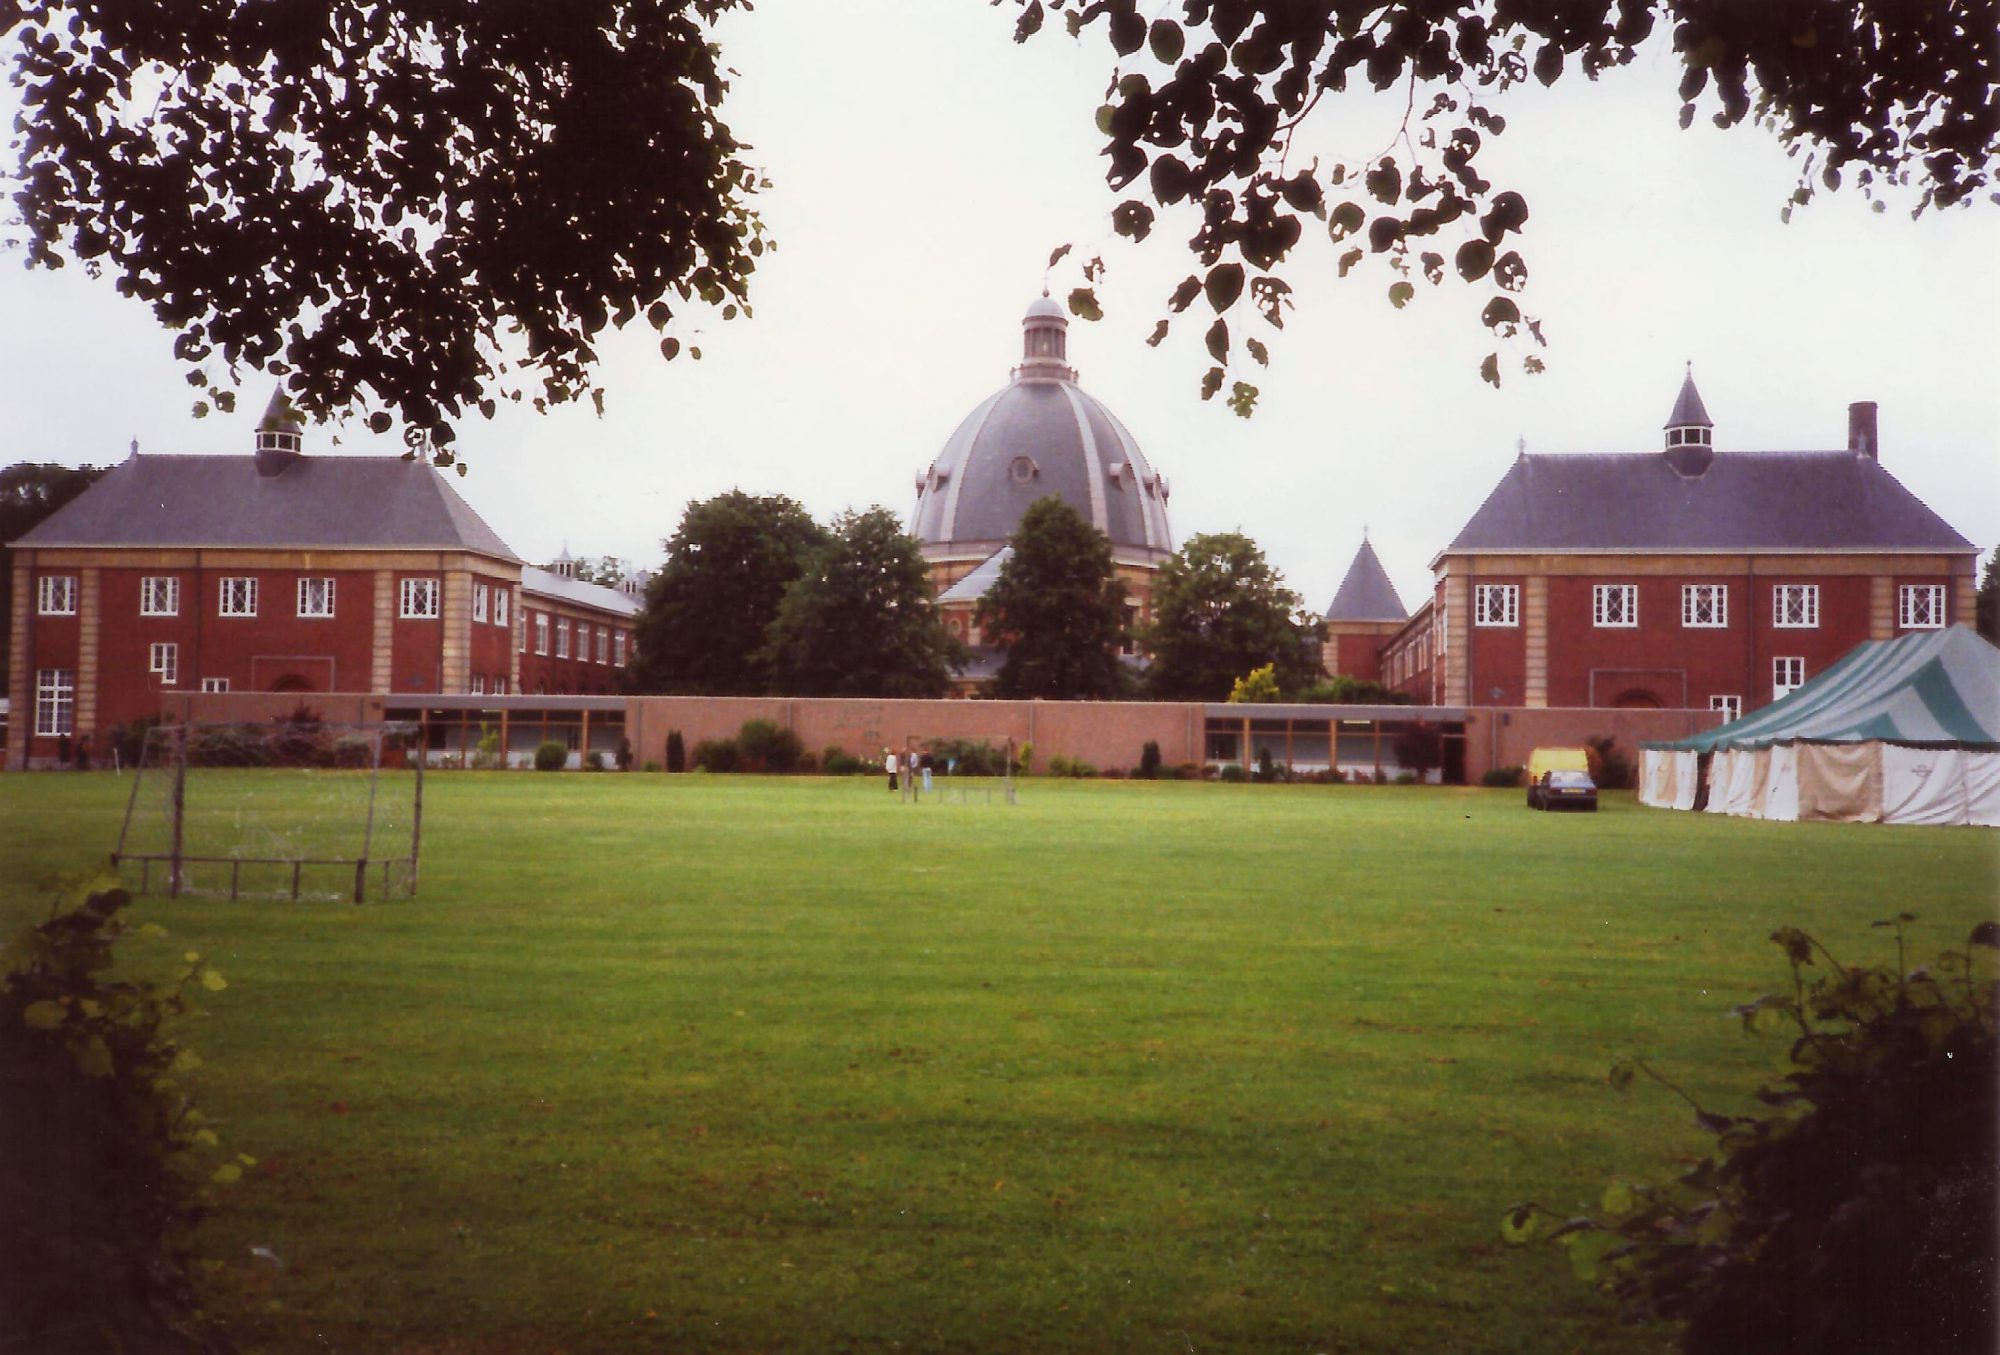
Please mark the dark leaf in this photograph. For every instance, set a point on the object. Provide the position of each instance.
(1217, 340)
(1167, 41)
(1083, 303)
(1223, 286)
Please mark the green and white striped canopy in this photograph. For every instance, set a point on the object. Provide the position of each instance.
(1931, 689)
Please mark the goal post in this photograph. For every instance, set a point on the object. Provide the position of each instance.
(297, 808)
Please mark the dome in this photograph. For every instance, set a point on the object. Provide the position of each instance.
(1038, 435)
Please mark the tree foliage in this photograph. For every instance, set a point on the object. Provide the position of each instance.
(420, 207)
(1257, 687)
(1860, 1209)
(1058, 608)
(605, 570)
(1206, 111)
(728, 566)
(859, 619)
(1987, 605)
(1219, 611)
(29, 492)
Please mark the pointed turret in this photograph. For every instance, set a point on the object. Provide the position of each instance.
(1366, 593)
(1690, 444)
(280, 435)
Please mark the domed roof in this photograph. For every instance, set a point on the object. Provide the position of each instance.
(1038, 435)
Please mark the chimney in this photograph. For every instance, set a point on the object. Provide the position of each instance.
(1862, 437)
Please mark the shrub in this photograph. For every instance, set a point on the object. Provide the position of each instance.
(676, 752)
(352, 751)
(228, 746)
(1024, 759)
(972, 757)
(129, 741)
(839, 762)
(300, 739)
(486, 755)
(1406, 778)
(762, 746)
(650, 767)
(1267, 770)
(1113, 773)
(1233, 773)
(1149, 760)
(624, 755)
(1068, 766)
(716, 755)
(593, 761)
(1859, 1211)
(101, 1171)
(551, 756)
(1613, 771)
(1514, 777)
(1187, 771)
(808, 764)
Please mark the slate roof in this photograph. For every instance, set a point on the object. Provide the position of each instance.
(1744, 501)
(1366, 593)
(315, 503)
(550, 584)
(973, 586)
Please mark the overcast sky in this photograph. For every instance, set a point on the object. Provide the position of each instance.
(924, 168)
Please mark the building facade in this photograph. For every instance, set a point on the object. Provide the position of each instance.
(1680, 578)
(276, 572)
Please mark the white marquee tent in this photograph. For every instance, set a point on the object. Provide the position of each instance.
(1898, 731)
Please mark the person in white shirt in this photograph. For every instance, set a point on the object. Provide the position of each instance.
(889, 761)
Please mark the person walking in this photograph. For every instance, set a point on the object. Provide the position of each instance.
(889, 761)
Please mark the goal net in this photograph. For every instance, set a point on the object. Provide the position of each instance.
(959, 771)
(297, 808)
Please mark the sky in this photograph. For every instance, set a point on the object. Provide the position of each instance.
(924, 167)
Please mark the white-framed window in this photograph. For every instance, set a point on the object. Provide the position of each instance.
(159, 595)
(500, 685)
(562, 639)
(239, 597)
(215, 684)
(1705, 606)
(604, 644)
(316, 597)
(1920, 606)
(55, 702)
(1730, 706)
(479, 684)
(500, 599)
(1795, 606)
(618, 649)
(1615, 604)
(165, 660)
(55, 595)
(420, 599)
(1787, 675)
(541, 632)
(480, 592)
(1496, 604)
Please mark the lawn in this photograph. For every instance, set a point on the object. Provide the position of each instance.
(740, 1064)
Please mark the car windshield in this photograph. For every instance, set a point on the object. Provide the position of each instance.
(1570, 780)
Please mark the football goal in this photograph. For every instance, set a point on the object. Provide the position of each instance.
(958, 771)
(298, 808)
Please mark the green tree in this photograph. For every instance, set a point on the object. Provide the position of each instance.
(1058, 609)
(29, 492)
(1257, 687)
(1206, 110)
(860, 621)
(422, 206)
(1219, 611)
(607, 570)
(727, 569)
(1987, 607)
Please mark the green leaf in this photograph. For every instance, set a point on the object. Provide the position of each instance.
(227, 1174)
(1211, 380)
(1083, 303)
(213, 981)
(1618, 1198)
(1400, 294)
(1520, 1225)
(1243, 399)
(1261, 354)
(93, 1057)
(42, 1015)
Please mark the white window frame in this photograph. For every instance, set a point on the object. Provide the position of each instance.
(55, 595)
(1804, 615)
(1710, 597)
(500, 599)
(1496, 604)
(1730, 706)
(479, 684)
(160, 595)
(55, 702)
(164, 659)
(562, 638)
(419, 599)
(323, 587)
(604, 644)
(480, 592)
(237, 596)
(500, 685)
(541, 633)
(1920, 606)
(215, 684)
(618, 649)
(1788, 674)
(1614, 606)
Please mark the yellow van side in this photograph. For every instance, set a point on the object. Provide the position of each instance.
(1557, 760)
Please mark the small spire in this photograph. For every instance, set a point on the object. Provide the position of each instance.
(135, 446)
(1521, 446)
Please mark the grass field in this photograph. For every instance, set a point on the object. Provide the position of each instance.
(735, 1064)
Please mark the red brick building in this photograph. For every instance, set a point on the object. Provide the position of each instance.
(278, 572)
(1685, 577)
(1364, 613)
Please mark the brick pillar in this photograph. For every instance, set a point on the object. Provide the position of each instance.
(1535, 620)
(20, 665)
(1881, 608)
(1458, 640)
(517, 634)
(455, 615)
(87, 610)
(381, 658)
